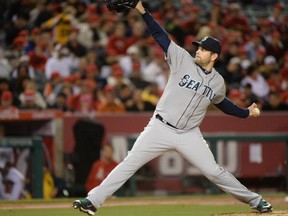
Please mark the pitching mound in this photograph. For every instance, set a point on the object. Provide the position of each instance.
(275, 213)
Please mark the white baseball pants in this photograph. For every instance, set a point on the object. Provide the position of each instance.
(158, 138)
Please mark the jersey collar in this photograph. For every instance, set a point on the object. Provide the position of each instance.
(205, 71)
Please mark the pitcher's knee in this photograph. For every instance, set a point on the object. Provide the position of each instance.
(215, 174)
(133, 162)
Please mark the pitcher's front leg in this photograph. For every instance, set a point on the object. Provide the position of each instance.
(199, 155)
(119, 175)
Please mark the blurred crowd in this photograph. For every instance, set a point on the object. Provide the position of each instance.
(76, 56)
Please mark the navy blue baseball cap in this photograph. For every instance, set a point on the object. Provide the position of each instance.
(209, 43)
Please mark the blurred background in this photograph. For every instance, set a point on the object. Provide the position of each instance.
(79, 83)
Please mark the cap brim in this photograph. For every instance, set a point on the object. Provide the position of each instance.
(196, 43)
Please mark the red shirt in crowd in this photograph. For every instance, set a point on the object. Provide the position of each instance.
(99, 171)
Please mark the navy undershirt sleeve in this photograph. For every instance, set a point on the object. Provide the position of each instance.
(157, 32)
(230, 108)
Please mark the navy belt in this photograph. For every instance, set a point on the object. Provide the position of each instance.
(164, 121)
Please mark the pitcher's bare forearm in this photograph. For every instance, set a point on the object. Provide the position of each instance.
(140, 8)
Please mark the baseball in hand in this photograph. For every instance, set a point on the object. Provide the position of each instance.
(256, 111)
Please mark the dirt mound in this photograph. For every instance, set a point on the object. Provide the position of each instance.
(275, 213)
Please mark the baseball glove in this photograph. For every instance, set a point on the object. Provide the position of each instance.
(120, 5)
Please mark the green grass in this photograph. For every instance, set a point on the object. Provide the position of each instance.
(159, 210)
(195, 209)
(163, 210)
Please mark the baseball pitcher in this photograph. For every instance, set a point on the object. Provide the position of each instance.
(193, 85)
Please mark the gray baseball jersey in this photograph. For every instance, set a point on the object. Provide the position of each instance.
(189, 90)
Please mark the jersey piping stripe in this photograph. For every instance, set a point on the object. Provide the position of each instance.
(191, 99)
(186, 108)
(193, 112)
(198, 102)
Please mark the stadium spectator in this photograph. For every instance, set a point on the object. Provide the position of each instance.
(233, 72)
(265, 29)
(71, 86)
(270, 65)
(60, 61)
(103, 39)
(137, 34)
(151, 94)
(4, 85)
(14, 53)
(136, 76)
(24, 62)
(92, 73)
(277, 18)
(249, 96)
(232, 47)
(11, 182)
(275, 82)
(173, 24)
(275, 47)
(284, 79)
(284, 61)
(243, 55)
(49, 188)
(37, 59)
(6, 104)
(235, 19)
(118, 44)
(74, 46)
(101, 168)
(125, 93)
(190, 23)
(136, 104)
(284, 98)
(117, 78)
(204, 31)
(110, 103)
(236, 96)
(60, 103)
(82, 65)
(31, 39)
(83, 102)
(53, 87)
(259, 85)
(133, 55)
(28, 101)
(19, 22)
(260, 56)
(85, 33)
(31, 98)
(162, 78)
(155, 62)
(5, 67)
(135, 24)
(94, 56)
(41, 13)
(274, 103)
(216, 13)
(98, 35)
(18, 82)
(61, 25)
(254, 44)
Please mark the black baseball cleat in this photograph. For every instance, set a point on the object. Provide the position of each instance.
(84, 205)
(264, 207)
